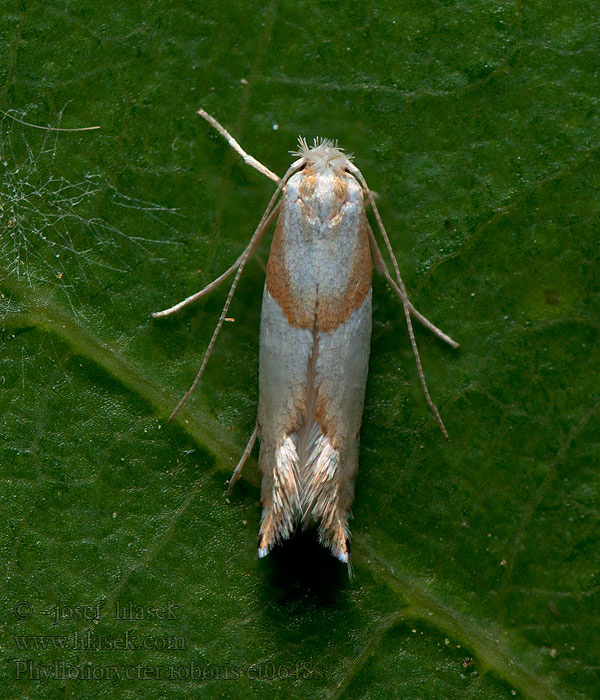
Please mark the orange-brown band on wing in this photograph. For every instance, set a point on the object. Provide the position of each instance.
(330, 426)
(330, 310)
(298, 314)
(333, 310)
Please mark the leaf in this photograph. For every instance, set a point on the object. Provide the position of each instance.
(127, 571)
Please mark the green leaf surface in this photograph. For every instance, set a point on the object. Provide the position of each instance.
(476, 562)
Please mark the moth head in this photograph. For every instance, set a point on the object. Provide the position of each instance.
(323, 154)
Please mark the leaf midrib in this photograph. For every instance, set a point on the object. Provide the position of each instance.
(202, 428)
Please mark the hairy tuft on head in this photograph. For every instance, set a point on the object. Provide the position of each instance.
(324, 153)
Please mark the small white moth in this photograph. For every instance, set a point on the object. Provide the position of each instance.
(314, 341)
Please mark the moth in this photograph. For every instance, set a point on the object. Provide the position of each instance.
(315, 334)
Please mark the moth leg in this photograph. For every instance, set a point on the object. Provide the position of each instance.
(381, 267)
(425, 321)
(246, 453)
(261, 169)
(270, 212)
(411, 334)
(216, 282)
(209, 287)
(258, 234)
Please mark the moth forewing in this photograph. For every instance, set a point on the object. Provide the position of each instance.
(314, 351)
(314, 341)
